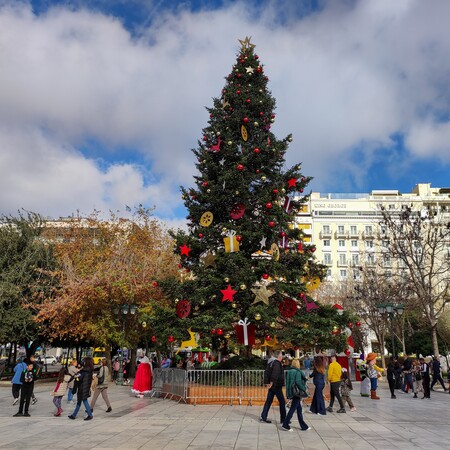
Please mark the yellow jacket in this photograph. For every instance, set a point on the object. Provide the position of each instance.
(334, 372)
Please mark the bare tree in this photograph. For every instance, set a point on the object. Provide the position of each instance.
(419, 240)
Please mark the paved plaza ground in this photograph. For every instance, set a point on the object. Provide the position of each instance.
(152, 423)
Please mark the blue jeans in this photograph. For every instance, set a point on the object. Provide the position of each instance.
(70, 395)
(271, 393)
(296, 405)
(86, 405)
(318, 402)
(373, 384)
(408, 379)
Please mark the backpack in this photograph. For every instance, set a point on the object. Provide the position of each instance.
(268, 372)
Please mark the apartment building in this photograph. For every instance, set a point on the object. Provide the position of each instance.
(346, 228)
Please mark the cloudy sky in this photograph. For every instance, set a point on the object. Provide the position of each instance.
(102, 100)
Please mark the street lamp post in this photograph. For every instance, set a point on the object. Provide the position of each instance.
(390, 311)
(122, 312)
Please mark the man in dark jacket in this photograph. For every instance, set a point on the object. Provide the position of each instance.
(436, 367)
(407, 375)
(275, 389)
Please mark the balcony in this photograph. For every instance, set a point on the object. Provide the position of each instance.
(325, 234)
(327, 262)
(368, 235)
(341, 235)
(342, 264)
(355, 234)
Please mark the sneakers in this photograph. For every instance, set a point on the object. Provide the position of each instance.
(15, 401)
(34, 401)
(286, 429)
(89, 418)
(265, 420)
(58, 412)
(393, 396)
(330, 409)
(321, 414)
(71, 417)
(109, 409)
(353, 409)
(342, 410)
(26, 414)
(307, 429)
(18, 414)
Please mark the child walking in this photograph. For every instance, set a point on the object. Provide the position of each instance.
(60, 389)
(345, 388)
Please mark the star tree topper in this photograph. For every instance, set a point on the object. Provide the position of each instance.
(245, 44)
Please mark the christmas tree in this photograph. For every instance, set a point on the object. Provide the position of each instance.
(242, 256)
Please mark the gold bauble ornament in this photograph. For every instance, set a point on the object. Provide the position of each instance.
(257, 316)
(176, 301)
(255, 124)
(237, 192)
(233, 305)
(218, 133)
(243, 287)
(263, 178)
(273, 324)
(208, 191)
(227, 336)
(224, 229)
(283, 190)
(144, 324)
(230, 142)
(226, 279)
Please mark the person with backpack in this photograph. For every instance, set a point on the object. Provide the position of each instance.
(274, 381)
(295, 377)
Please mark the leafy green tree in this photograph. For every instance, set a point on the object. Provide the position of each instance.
(242, 256)
(27, 277)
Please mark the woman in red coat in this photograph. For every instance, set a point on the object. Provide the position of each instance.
(143, 382)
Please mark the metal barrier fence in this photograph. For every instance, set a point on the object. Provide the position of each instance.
(198, 386)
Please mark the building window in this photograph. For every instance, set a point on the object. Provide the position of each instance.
(353, 229)
(357, 275)
(355, 260)
(326, 243)
(327, 258)
(368, 229)
(354, 243)
(326, 229)
(342, 259)
(341, 229)
(369, 245)
(341, 243)
(370, 259)
(328, 276)
(343, 274)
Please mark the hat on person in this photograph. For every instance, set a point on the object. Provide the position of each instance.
(371, 356)
(428, 359)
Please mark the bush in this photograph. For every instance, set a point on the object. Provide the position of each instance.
(241, 363)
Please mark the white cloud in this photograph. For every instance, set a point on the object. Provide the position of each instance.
(348, 76)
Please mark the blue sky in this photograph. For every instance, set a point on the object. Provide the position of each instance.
(102, 100)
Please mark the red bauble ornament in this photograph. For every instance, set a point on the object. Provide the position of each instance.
(350, 325)
(269, 205)
(247, 101)
(204, 138)
(219, 331)
(288, 308)
(213, 331)
(205, 183)
(271, 224)
(155, 283)
(170, 338)
(237, 211)
(153, 338)
(257, 171)
(347, 352)
(302, 295)
(200, 235)
(261, 113)
(240, 167)
(282, 234)
(239, 75)
(358, 324)
(275, 191)
(256, 57)
(256, 150)
(265, 276)
(259, 69)
(238, 92)
(183, 309)
(313, 249)
(267, 337)
(239, 238)
(245, 120)
(211, 116)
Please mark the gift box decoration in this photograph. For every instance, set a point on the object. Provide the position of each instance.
(245, 332)
(231, 243)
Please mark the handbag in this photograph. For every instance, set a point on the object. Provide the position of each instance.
(101, 378)
(297, 392)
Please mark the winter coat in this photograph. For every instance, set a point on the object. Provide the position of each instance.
(103, 372)
(277, 376)
(61, 388)
(297, 376)
(84, 377)
(18, 369)
(344, 388)
(72, 372)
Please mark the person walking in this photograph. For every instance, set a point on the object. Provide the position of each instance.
(391, 375)
(295, 375)
(275, 389)
(345, 389)
(19, 368)
(436, 368)
(318, 376)
(27, 378)
(84, 380)
(102, 386)
(72, 371)
(307, 363)
(334, 378)
(143, 382)
(417, 377)
(60, 389)
(425, 368)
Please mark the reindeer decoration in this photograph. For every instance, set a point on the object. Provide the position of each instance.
(192, 342)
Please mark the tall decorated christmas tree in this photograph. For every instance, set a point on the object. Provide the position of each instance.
(244, 266)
